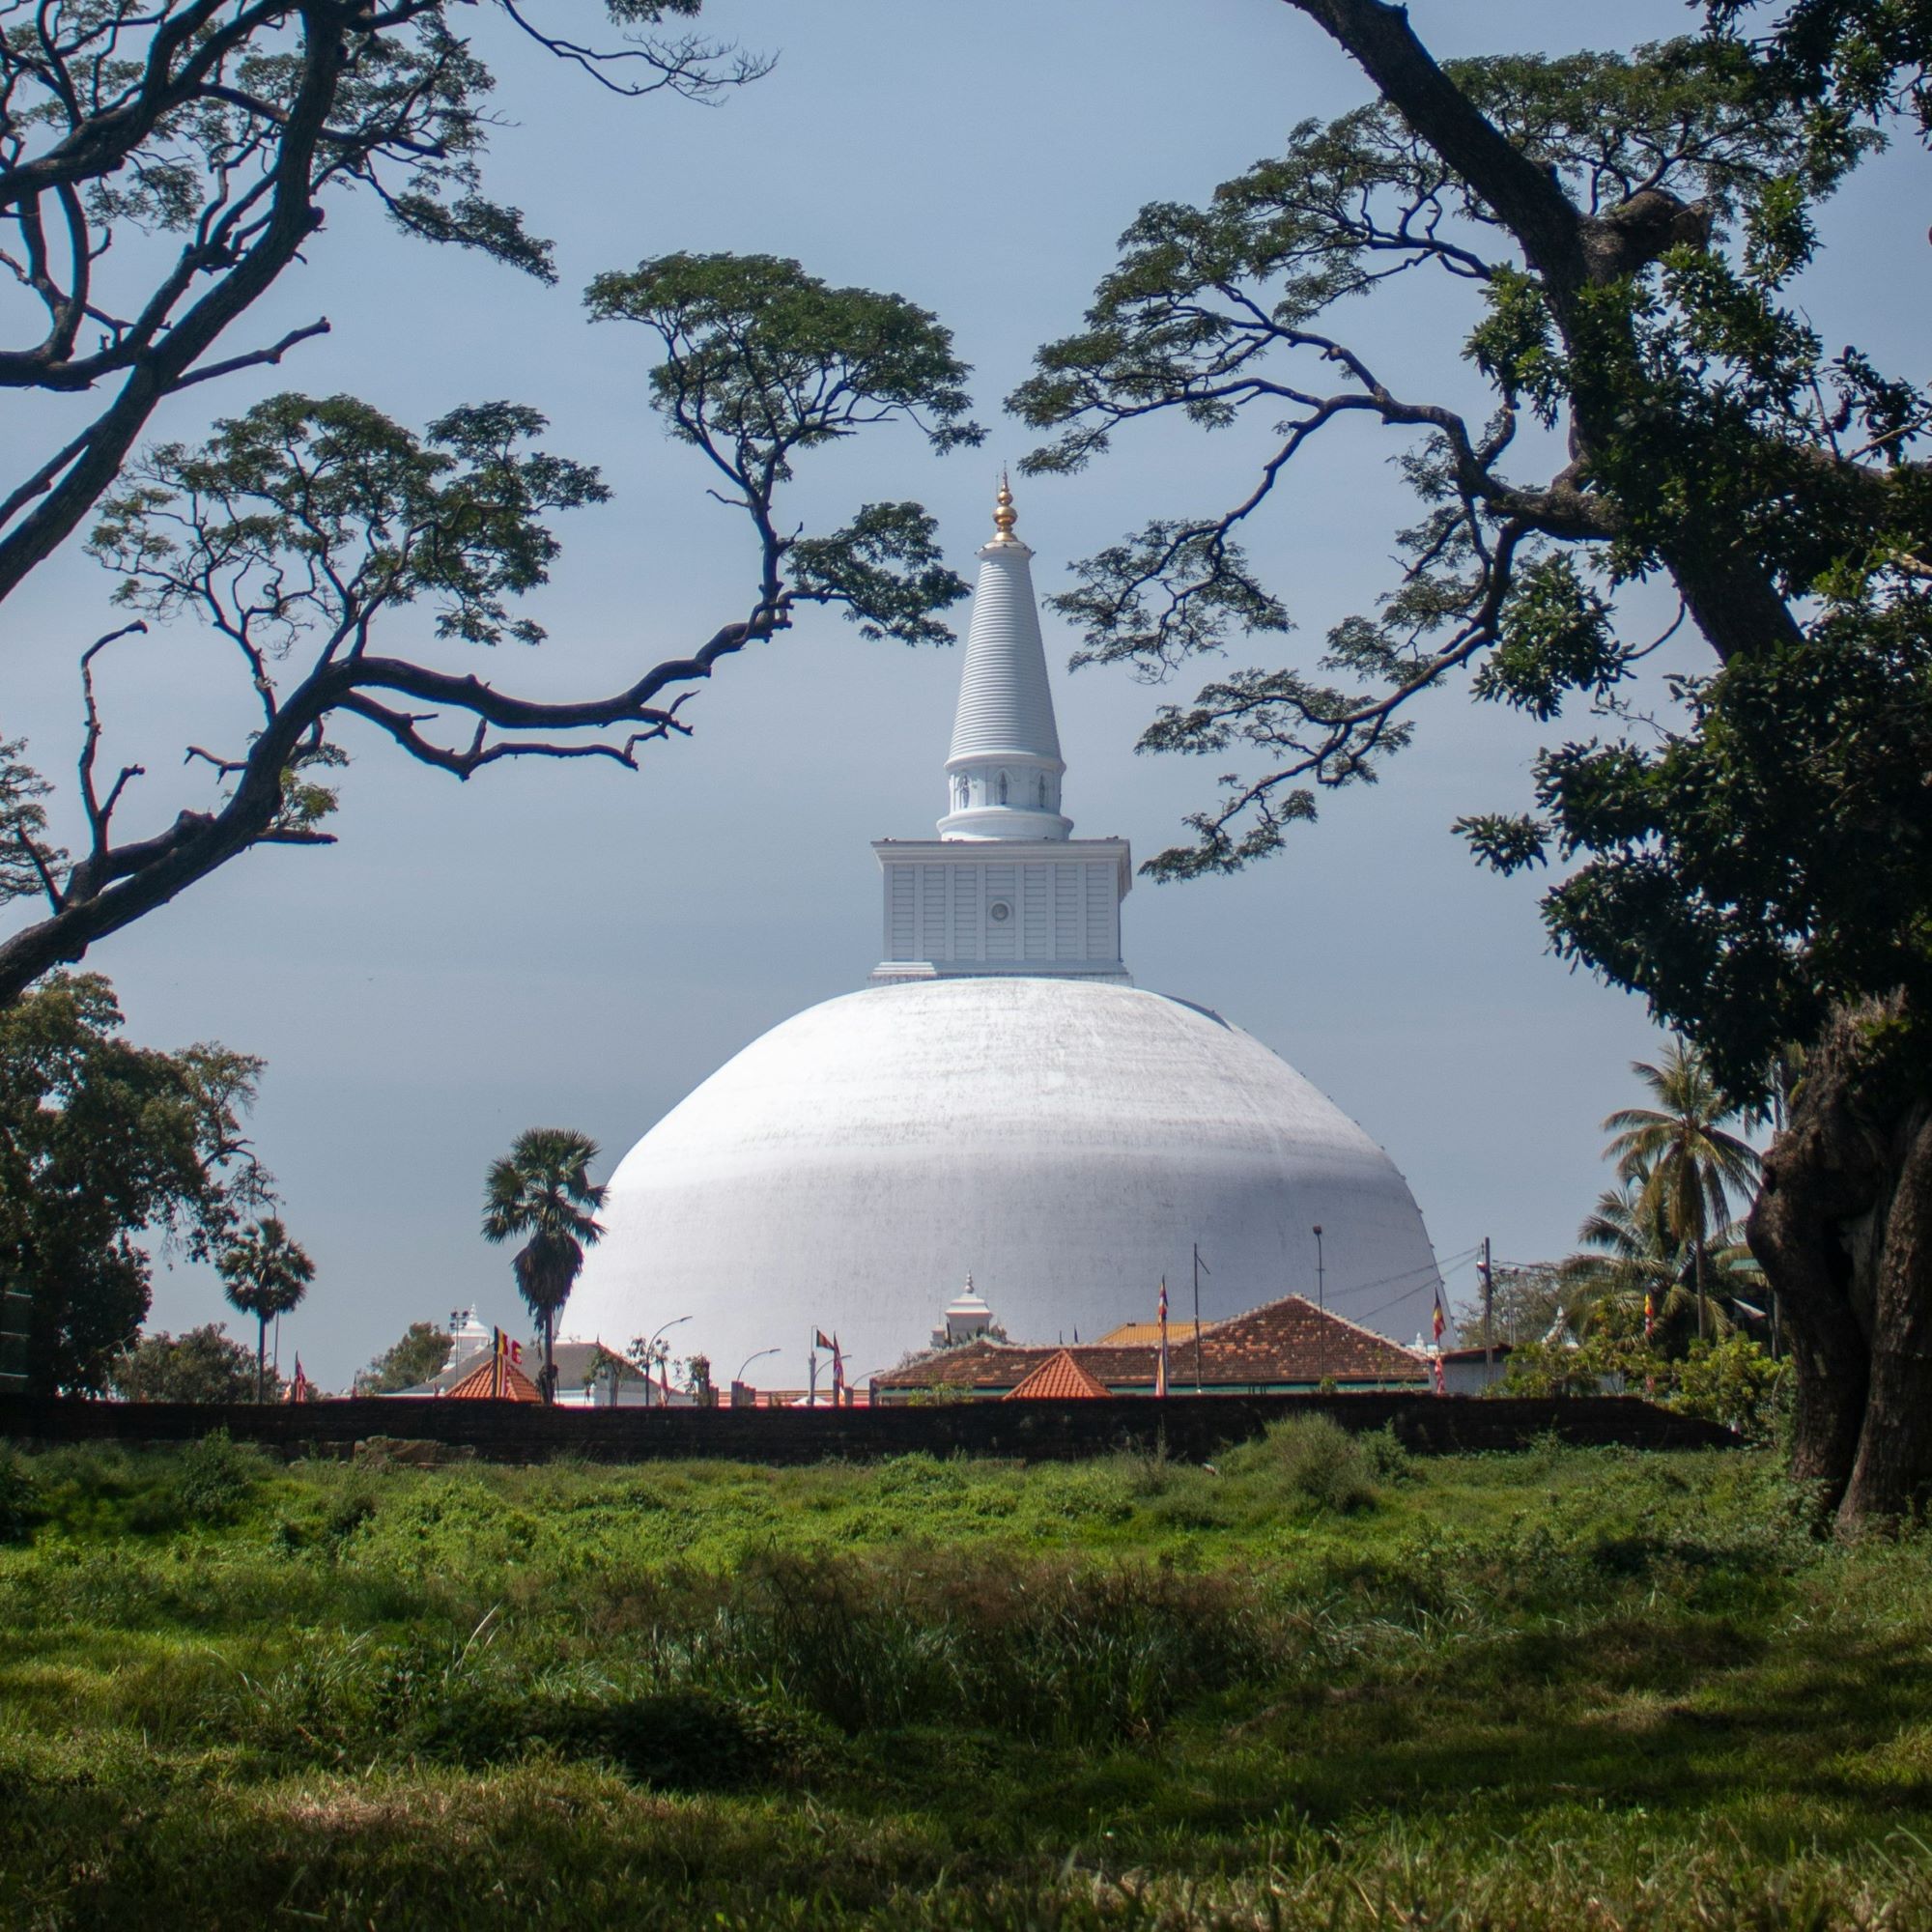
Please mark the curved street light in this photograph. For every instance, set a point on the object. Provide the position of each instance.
(774, 1350)
(649, 1354)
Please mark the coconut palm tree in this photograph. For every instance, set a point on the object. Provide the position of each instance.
(1634, 1258)
(266, 1274)
(1685, 1166)
(541, 1188)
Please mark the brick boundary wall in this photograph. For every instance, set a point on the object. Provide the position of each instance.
(1193, 1428)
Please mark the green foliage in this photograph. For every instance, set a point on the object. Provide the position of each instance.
(1730, 1381)
(1754, 853)
(23, 825)
(1733, 1381)
(1324, 1464)
(1554, 638)
(316, 516)
(214, 1477)
(541, 1188)
(763, 361)
(204, 1364)
(1774, 861)
(100, 1143)
(21, 1499)
(264, 1274)
(419, 1356)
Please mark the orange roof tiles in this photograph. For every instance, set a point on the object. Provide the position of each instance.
(1287, 1342)
(1058, 1379)
(481, 1385)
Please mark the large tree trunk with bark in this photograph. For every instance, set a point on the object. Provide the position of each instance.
(1843, 1230)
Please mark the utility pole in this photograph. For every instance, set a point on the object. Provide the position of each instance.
(1320, 1285)
(1489, 1314)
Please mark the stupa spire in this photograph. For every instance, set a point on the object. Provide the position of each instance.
(1004, 769)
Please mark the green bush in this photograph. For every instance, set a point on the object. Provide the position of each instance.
(1733, 1383)
(214, 1477)
(20, 1501)
(1323, 1464)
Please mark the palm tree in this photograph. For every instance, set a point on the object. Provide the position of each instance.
(1686, 1167)
(266, 1274)
(1634, 1257)
(541, 1188)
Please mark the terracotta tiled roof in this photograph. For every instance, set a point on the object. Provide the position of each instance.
(1057, 1379)
(1294, 1335)
(1284, 1343)
(481, 1385)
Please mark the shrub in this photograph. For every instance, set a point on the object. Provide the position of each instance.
(1323, 1463)
(214, 1477)
(21, 1502)
(1733, 1383)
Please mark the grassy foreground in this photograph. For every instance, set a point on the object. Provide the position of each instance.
(1321, 1686)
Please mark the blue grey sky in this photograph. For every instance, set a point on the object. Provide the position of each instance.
(580, 946)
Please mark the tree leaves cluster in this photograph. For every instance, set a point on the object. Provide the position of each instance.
(204, 1364)
(304, 529)
(162, 165)
(103, 1144)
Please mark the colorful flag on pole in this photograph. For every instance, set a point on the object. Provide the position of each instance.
(837, 1373)
(1649, 1312)
(1436, 1323)
(1160, 1365)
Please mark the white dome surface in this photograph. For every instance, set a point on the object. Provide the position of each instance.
(1063, 1142)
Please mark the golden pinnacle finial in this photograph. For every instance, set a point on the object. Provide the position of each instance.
(1005, 515)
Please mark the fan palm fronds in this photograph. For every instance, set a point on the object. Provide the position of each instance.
(541, 1188)
(263, 1274)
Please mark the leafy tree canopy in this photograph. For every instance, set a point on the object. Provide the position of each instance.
(162, 163)
(303, 528)
(1629, 226)
(102, 1143)
(204, 1364)
(419, 1354)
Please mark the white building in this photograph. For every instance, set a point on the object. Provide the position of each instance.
(1001, 1101)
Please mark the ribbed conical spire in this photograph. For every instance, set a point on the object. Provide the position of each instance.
(1004, 769)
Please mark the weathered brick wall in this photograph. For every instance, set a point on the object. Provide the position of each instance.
(1192, 1426)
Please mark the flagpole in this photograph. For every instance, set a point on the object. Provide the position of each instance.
(1199, 1264)
(1160, 1372)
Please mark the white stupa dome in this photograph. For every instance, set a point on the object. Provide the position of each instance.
(1066, 1142)
(1001, 1103)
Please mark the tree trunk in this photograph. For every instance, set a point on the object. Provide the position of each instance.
(261, 1359)
(1843, 1231)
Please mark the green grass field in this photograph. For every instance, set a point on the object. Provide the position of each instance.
(1323, 1685)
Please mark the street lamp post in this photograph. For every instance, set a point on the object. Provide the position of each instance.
(650, 1354)
(749, 1359)
(1320, 1285)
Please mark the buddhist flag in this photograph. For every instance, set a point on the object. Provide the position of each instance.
(1436, 1323)
(1160, 1363)
(837, 1371)
(1649, 1312)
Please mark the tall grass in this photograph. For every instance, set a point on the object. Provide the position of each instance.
(1320, 1683)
